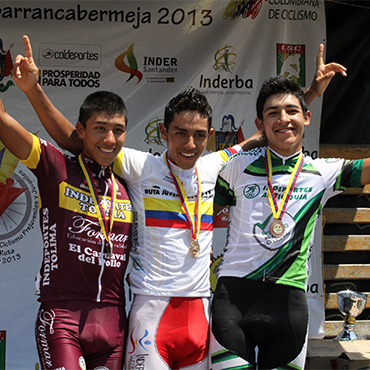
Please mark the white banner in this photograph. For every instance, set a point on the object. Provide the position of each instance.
(146, 51)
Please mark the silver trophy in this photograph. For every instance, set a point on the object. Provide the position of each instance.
(350, 304)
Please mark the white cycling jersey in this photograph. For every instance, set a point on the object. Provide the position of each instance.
(162, 264)
(251, 250)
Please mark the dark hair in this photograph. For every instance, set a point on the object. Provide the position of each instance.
(189, 100)
(102, 101)
(278, 85)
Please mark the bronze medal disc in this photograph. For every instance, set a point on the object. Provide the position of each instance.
(277, 228)
(194, 248)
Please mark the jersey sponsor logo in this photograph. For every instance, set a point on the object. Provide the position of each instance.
(49, 234)
(83, 229)
(88, 255)
(262, 234)
(251, 191)
(91, 230)
(76, 200)
(298, 193)
(137, 362)
(140, 343)
(45, 327)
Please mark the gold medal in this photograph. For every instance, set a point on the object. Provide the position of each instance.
(277, 228)
(194, 248)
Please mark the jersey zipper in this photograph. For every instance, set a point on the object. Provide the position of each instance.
(102, 264)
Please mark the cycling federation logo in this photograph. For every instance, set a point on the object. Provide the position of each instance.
(243, 8)
(131, 67)
(224, 58)
(291, 62)
(6, 65)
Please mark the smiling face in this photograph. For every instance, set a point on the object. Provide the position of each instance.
(283, 123)
(186, 138)
(102, 137)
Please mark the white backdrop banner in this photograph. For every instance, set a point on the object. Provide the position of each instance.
(147, 51)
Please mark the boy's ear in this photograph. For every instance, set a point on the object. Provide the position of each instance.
(259, 124)
(307, 118)
(163, 131)
(211, 131)
(80, 130)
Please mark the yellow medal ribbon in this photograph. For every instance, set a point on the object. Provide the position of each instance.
(193, 221)
(279, 211)
(95, 196)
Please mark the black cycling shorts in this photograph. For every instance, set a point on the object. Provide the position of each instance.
(247, 314)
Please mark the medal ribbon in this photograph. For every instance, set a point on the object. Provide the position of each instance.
(194, 223)
(95, 196)
(278, 212)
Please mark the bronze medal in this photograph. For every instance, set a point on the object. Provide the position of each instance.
(194, 248)
(277, 228)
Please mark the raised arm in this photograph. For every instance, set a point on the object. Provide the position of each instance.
(14, 136)
(324, 74)
(25, 74)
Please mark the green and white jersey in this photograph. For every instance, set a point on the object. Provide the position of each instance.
(251, 250)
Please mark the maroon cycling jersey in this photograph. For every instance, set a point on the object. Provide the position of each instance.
(76, 264)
